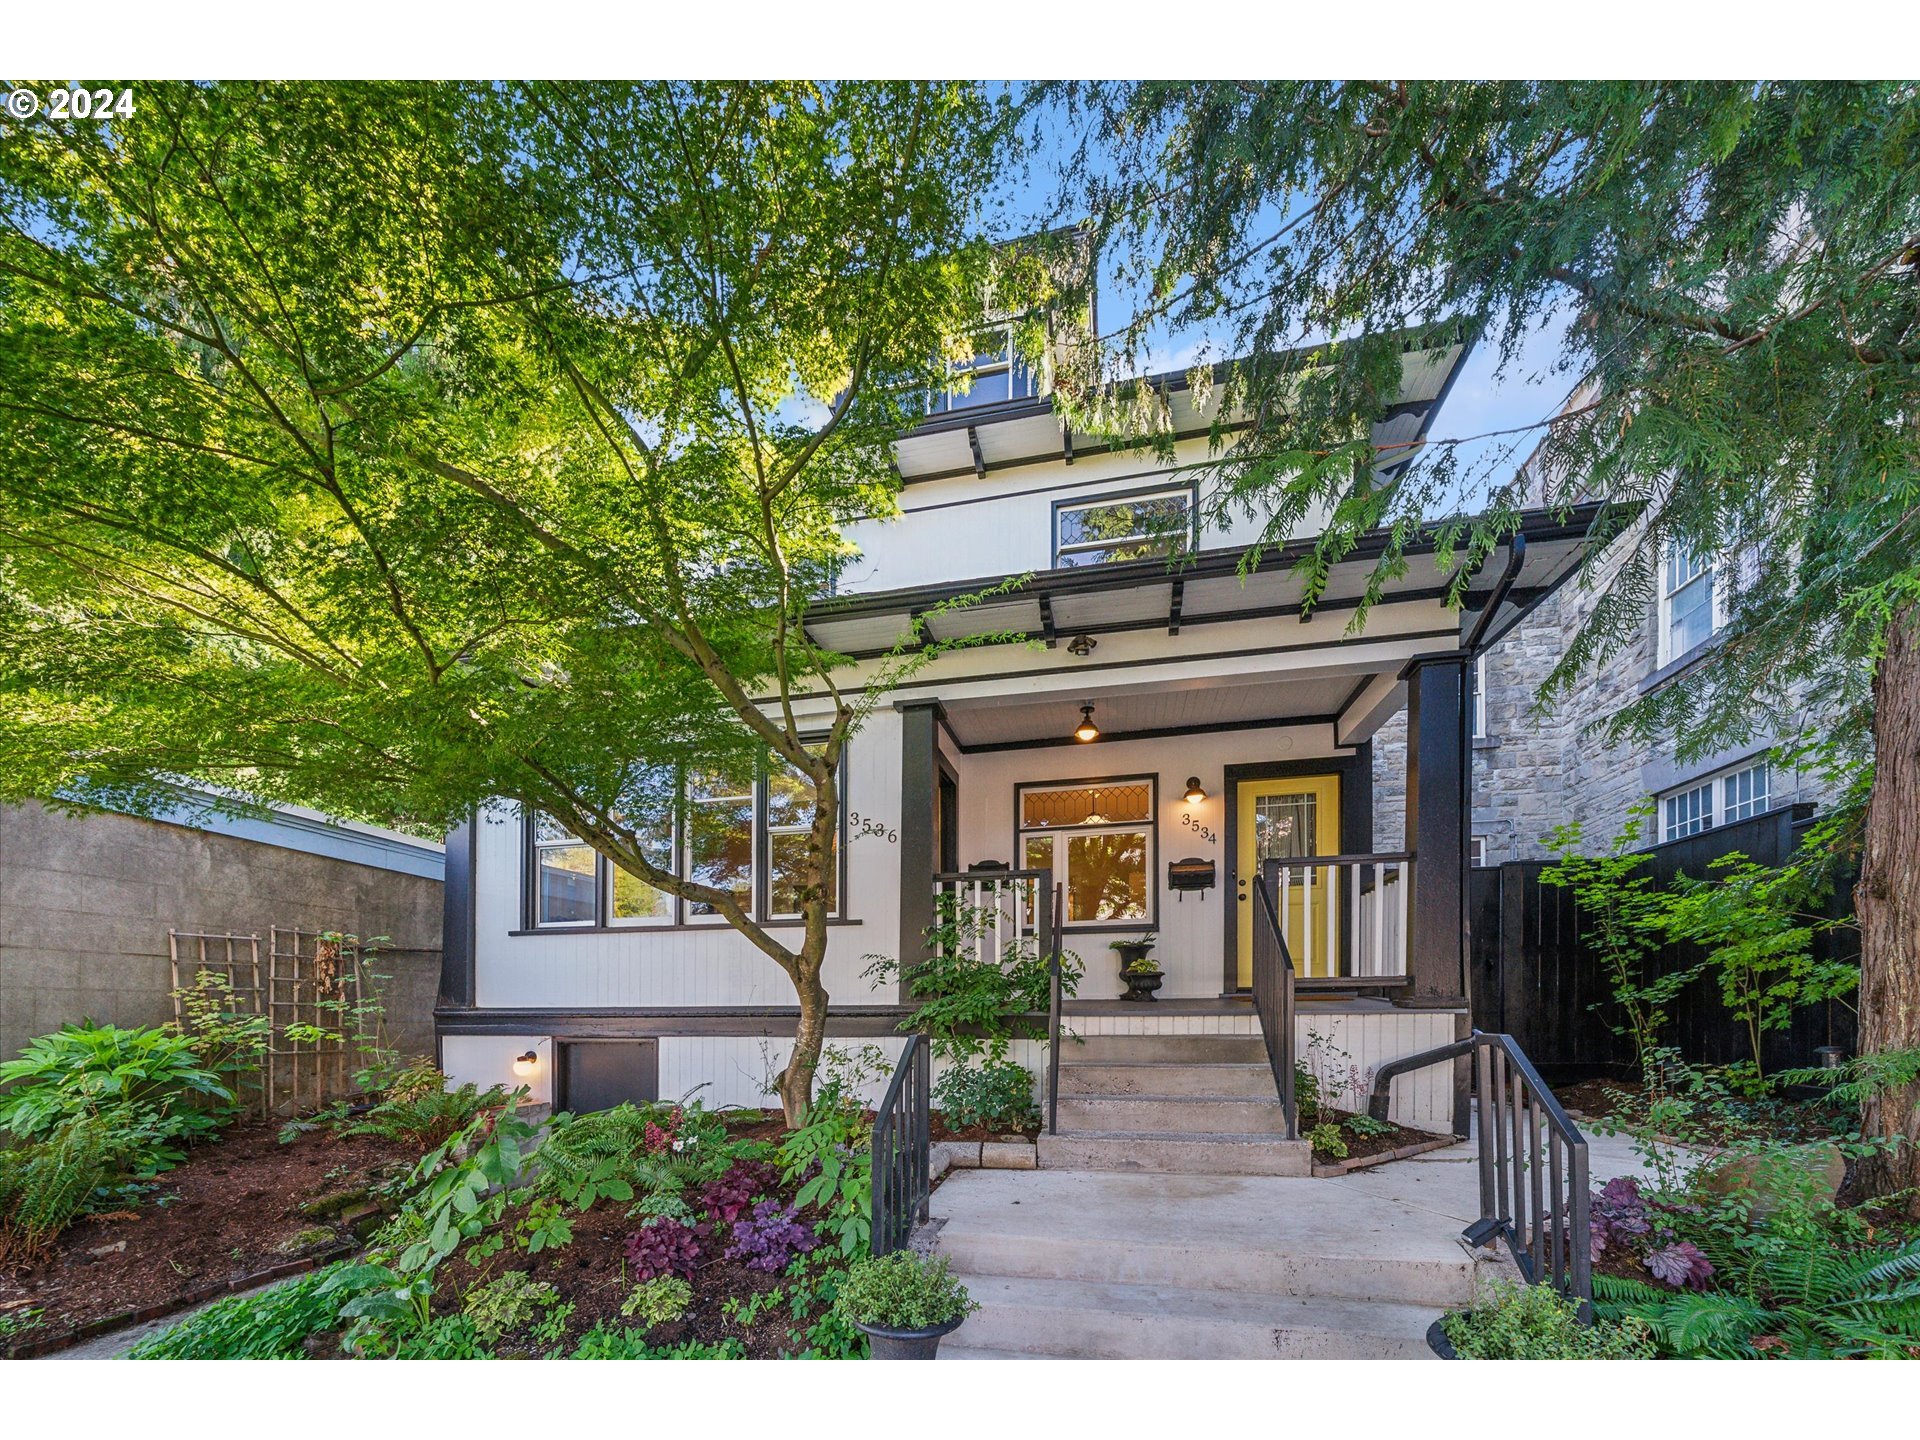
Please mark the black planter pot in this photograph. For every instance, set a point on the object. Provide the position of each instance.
(1141, 985)
(907, 1344)
(1438, 1343)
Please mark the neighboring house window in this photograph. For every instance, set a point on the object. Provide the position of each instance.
(1718, 800)
(1477, 850)
(743, 833)
(1097, 837)
(1130, 527)
(1477, 681)
(995, 373)
(1743, 793)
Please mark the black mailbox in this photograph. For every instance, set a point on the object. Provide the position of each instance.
(1190, 874)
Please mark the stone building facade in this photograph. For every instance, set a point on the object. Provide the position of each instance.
(86, 903)
(1534, 771)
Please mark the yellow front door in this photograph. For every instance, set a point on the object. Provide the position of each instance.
(1287, 820)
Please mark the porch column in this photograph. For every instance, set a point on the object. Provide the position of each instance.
(919, 845)
(1439, 807)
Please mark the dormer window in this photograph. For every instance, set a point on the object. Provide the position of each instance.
(996, 373)
(1144, 525)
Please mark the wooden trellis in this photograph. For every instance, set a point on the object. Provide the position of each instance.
(308, 985)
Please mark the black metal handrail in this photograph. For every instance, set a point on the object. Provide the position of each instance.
(1273, 987)
(1055, 1007)
(1533, 1163)
(902, 1130)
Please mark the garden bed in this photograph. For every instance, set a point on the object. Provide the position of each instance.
(229, 1216)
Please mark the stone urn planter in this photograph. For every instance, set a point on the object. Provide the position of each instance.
(889, 1344)
(1438, 1343)
(1139, 974)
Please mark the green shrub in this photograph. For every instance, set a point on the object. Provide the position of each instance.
(506, 1304)
(1327, 1140)
(659, 1301)
(150, 1080)
(603, 1342)
(902, 1291)
(416, 1108)
(1536, 1322)
(271, 1324)
(1306, 1094)
(46, 1184)
(998, 1095)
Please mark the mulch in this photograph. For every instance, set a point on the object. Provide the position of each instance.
(227, 1216)
(1360, 1147)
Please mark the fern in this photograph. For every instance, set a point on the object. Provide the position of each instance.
(45, 1186)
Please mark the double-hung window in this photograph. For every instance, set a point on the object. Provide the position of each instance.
(1733, 795)
(1687, 611)
(742, 831)
(1097, 837)
(1144, 526)
(996, 372)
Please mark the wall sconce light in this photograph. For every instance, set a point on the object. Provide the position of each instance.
(1081, 646)
(1194, 793)
(1086, 729)
(524, 1065)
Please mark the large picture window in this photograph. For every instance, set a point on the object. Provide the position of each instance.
(744, 833)
(1097, 837)
(1131, 527)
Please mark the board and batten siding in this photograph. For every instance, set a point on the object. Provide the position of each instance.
(646, 968)
(972, 527)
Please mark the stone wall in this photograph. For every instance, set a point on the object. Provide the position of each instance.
(1533, 771)
(86, 903)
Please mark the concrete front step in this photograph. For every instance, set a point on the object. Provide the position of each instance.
(1174, 1153)
(1241, 1235)
(1188, 1049)
(1201, 1116)
(1081, 1320)
(1165, 1077)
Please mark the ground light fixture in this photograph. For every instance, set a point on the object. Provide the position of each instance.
(1195, 794)
(526, 1064)
(1086, 730)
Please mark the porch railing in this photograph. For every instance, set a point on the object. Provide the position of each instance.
(1534, 1183)
(987, 912)
(1345, 916)
(902, 1129)
(1273, 991)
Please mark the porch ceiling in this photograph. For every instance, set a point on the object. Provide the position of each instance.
(1148, 710)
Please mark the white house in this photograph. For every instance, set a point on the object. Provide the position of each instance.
(1232, 730)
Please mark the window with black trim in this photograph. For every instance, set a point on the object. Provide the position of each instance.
(1098, 839)
(744, 832)
(996, 372)
(1110, 529)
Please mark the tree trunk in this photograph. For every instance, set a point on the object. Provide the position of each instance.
(809, 1034)
(1887, 901)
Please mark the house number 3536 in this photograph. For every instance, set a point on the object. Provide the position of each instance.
(863, 826)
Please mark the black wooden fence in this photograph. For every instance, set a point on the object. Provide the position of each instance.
(1534, 979)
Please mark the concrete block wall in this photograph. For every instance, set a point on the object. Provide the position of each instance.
(86, 903)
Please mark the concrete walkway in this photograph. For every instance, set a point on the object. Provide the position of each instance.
(1101, 1264)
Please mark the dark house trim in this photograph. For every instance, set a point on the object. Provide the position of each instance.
(459, 917)
(1162, 732)
(1356, 836)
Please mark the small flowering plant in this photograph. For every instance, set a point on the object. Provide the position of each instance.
(1624, 1219)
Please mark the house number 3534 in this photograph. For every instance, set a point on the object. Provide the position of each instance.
(1202, 831)
(863, 826)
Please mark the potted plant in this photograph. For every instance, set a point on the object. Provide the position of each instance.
(1140, 974)
(904, 1302)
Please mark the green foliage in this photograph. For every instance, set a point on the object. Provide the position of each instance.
(15, 1324)
(544, 1225)
(656, 1150)
(47, 1184)
(998, 1095)
(1758, 926)
(1327, 1140)
(506, 1304)
(229, 1041)
(159, 1093)
(416, 1108)
(902, 1291)
(974, 1000)
(272, 1324)
(1366, 1125)
(1623, 918)
(830, 1160)
(1306, 1094)
(1535, 1322)
(604, 1342)
(659, 1301)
